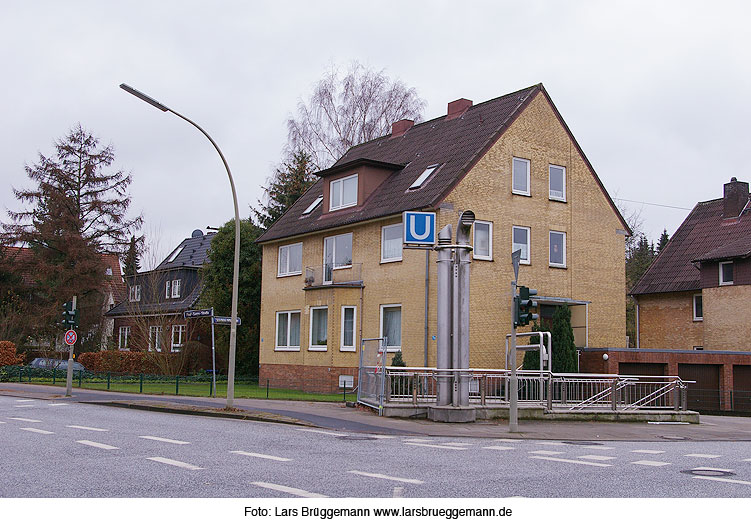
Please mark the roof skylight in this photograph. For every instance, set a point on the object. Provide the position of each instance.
(175, 254)
(313, 205)
(424, 176)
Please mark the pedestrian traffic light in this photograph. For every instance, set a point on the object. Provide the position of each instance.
(70, 316)
(524, 307)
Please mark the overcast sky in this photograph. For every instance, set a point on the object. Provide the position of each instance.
(656, 93)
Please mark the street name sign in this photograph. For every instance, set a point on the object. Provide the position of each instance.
(225, 320)
(419, 228)
(198, 313)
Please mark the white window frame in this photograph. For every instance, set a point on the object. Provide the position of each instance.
(722, 279)
(175, 288)
(167, 289)
(182, 331)
(528, 260)
(383, 240)
(550, 249)
(341, 204)
(123, 344)
(155, 345)
(424, 176)
(175, 253)
(698, 318)
(488, 257)
(333, 254)
(134, 293)
(392, 348)
(313, 205)
(550, 195)
(287, 347)
(523, 192)
(288, 272)
(318, 347)
(352, 347)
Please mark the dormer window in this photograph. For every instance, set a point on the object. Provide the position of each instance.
(314, 205)
(343, 193)
(424, 176)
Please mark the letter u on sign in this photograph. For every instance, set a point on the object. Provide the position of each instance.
(419, 227)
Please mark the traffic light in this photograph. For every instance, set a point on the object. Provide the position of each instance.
(524, 306)
(70, 316)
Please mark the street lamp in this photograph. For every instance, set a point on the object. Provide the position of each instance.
(236, 270)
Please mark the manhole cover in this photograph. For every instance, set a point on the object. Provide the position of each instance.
(674, 437)
(711, 472)
(357, 438)
(583, 443)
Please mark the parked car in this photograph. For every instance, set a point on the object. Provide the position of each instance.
(54, 363)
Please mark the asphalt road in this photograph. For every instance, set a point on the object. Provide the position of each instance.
(69, 449)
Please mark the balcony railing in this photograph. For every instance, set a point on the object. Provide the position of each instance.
(321, 276)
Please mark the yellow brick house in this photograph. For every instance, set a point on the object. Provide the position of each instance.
(334, 271)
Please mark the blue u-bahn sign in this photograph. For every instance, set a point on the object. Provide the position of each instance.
(419, 228)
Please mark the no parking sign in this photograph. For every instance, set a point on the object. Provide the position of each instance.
(70, 337)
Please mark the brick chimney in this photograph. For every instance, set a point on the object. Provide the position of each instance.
(458, 108)
(734, 198)
(401, 127)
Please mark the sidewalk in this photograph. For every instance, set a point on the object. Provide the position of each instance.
(337, 416)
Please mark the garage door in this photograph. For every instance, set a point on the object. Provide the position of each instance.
(742, 388)
(704, 395)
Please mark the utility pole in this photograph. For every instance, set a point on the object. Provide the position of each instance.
(69, 376)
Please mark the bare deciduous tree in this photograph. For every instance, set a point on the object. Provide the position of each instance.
(346, 111)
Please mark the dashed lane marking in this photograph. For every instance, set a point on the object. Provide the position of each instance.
(551, 443)
(437, 446)
(262, 456)
(98, 445)
(597, 458)
(23, 406)
(724, 480)
(705, 456)
(289, 490)
(545, 453)
(174, 463)
(24, 400)
(313, 430)
(58, 404)
(398, 492)
(23, 419)
(648, 463)
(457, 444)
(509, 440)
(163, 440)
(589, 447)
(575, 461)
(384, 476)
(648, 451)
(35, 430)
(714, 469)
(496, 447)
(90, 428)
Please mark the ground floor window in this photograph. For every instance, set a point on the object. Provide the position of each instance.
(319, 322)
(288, 330)
(155, 338)
(348, 329)
(391, 326)
(124, 338)
(178, 337)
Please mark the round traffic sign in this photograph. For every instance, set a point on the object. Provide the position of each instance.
(70, 337)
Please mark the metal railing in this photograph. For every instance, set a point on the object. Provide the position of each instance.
(317, 276)
(571, 391)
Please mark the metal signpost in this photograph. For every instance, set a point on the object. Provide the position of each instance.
(513, 411)
(70, 339)
(207, 313)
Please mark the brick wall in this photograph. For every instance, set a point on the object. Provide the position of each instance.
(666, 321)
(314, 379)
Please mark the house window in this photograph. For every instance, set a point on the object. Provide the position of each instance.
(337, 253)
(391, 243)
(314, 205)
(343, 193)
(391, 326)
(124, 339)
(288, 330)
(520, 176)
(155, 338)
(557, 249)
(167, 289)
(178, 337)
(520, 236)
(134, 293)
(698, 348)
(290, 260)
(698, 309)
(424, 176)
(319, 321)
(349, 318)
(175, 288)
(557, 182)
(483, 243)
(726, 273)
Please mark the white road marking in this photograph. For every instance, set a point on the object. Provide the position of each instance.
(313, 430)
(648, 463)
(411, 440)
(174, 463)
(648, 451)
(1, 422)
(35, 430)
(745, 459)
(509, 440)
(288, 490)
(23, 406)
(90, 428)
(545, 453)
(22, 419)
(550, 443)
(495, 447)
(597, 458)
(58, 404)
(24, 400)
(724, 480)
(398, 492)
(571, 461)
(705, 456)
(437, 446)
(378, 436)
(667, 422)
(715, 469)
(599, 447)
(98, 445)
(163, 440)
(457, 444)
(262, 456)
(384, 476)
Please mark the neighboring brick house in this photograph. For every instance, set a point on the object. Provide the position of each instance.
(697, 293)
(150, 317)
(334, 271)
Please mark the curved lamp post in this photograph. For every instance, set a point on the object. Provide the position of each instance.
(236, 271)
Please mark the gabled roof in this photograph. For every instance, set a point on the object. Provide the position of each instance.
(126, 308)
(703, 236)
(456, 144)
(192, 252)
